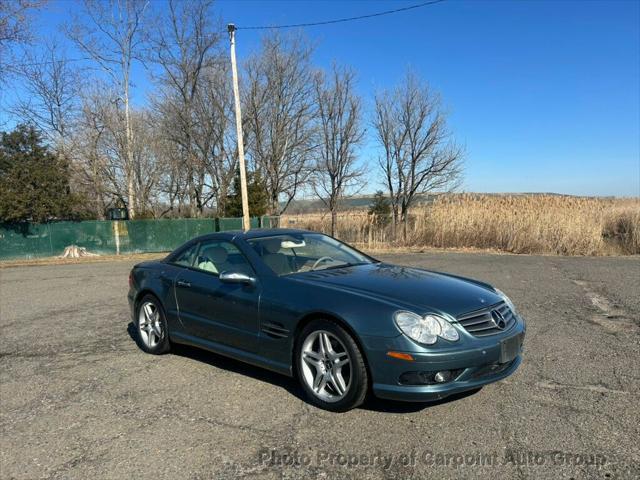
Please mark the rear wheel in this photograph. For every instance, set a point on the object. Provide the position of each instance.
(151, 326)
(330, 367)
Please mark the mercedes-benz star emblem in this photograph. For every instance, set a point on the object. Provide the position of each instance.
(498, 319)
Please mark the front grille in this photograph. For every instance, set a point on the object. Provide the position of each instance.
(488, 321)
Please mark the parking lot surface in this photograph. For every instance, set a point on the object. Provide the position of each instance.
(78, 399)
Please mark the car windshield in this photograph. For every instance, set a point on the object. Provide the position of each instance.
(304, 252)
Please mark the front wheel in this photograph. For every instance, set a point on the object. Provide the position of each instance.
(151, 326)
(331, 367)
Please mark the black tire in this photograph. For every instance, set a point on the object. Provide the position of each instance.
(359, 378)
(161, 346)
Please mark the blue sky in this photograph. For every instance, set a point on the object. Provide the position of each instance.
(545, 95)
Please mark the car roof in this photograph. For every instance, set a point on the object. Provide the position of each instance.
(249, 234)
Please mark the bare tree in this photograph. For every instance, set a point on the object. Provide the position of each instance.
(51, 100)
(100, 143)
(147, 168)
(172, 181)
(184, 45)
(340, 132)
(418, 153)
(92, 156)
(113, 37)
(279, 113)
(216, 135)
(205, 159)
(15, 29)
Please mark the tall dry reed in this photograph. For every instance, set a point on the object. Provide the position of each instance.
(511, 223)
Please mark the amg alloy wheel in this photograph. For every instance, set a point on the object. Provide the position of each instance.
(151, 326)
(330, 366)
(326, 366)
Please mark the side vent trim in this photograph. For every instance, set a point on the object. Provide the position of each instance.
(274, 330)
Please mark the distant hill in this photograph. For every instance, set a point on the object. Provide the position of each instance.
(360, 202)
(356, 202)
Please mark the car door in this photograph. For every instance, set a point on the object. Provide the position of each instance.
(215, 311)
(178, 263)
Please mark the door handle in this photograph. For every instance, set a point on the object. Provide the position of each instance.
(181, 283)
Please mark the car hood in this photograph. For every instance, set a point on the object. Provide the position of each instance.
(412, 288)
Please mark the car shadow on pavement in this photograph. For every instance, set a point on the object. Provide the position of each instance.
(230, 364)
(291, 385)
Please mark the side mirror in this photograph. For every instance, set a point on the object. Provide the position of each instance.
(237, 277)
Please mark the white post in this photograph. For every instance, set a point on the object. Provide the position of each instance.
(116, 232)
(236, 93)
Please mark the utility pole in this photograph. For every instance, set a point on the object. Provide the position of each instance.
(236, 93)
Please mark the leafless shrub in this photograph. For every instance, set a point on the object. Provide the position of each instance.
(622, 228)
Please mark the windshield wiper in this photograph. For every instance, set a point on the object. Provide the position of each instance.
(343, 265)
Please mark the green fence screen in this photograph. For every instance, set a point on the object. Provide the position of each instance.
(32, 240)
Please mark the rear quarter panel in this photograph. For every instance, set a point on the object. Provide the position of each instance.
(157, 278)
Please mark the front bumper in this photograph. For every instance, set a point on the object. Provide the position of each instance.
(432, 393)
(477, 360)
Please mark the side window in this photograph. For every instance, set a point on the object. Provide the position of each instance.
(186, 258)
(217, 256)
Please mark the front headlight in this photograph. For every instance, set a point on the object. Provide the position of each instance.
(425, 329)
(507, 300)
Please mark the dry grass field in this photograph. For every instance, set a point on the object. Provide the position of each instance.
(547, 224)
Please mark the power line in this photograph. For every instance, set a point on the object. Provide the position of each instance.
(342, 20)
(265, 27)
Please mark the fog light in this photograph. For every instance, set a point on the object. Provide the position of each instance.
(429, 378)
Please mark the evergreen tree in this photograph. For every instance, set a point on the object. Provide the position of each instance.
(257, 193)
(34, 182)
(381, 208)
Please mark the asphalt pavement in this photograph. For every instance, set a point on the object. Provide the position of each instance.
(79, 400)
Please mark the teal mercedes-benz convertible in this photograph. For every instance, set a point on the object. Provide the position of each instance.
(306, 305)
